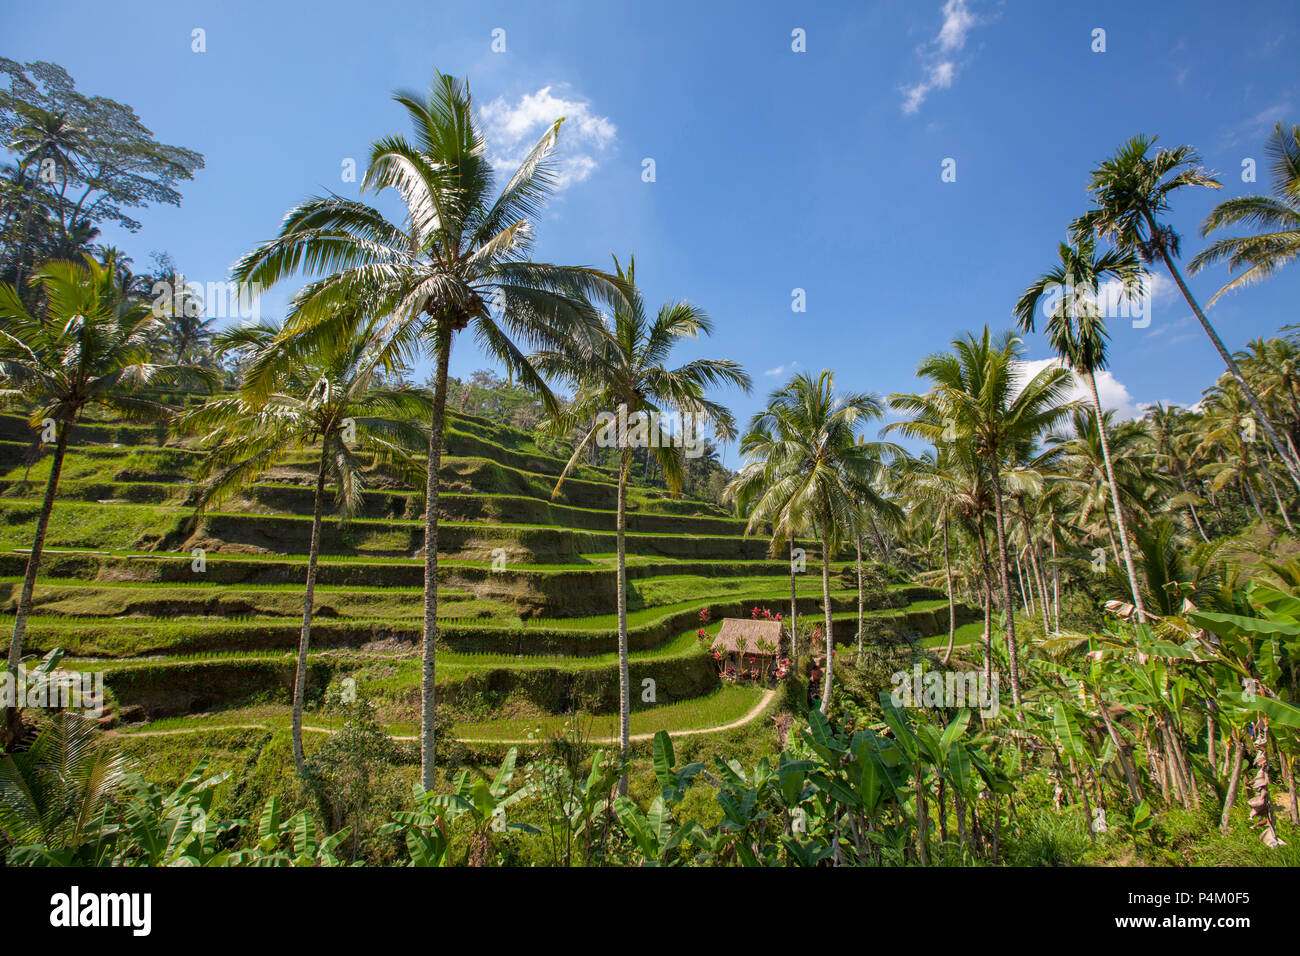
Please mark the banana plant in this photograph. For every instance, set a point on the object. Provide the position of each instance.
(485, 804)
(654, 831)
(288, 842)
(423, 830)
(176, 828)
(574, 803)
(673, 782)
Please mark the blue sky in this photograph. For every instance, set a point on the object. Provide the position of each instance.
(775, 169)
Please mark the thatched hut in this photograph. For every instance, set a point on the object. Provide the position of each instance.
(739, 639)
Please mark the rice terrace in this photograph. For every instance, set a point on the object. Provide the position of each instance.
(527, 468)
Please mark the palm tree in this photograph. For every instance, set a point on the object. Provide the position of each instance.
(621, 380)
(53, 794)
(1277, 214)
(942, 494)
(87, 348)
(46, 136)
(1165, 422)
(1273, 365)
(976, 395)
(187, 336)
(1076, 330)
(758, 446)
(1131, 190)
(1227, 427)
(815, 471)
(300, 391)
(1078, 454)
(459, 259)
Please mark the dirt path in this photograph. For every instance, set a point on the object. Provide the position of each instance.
(754, 713)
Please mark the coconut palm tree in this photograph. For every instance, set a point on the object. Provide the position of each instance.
(1273, 367)
(1227, 427)
(53, 794)
(1076, 331)
(759, 446)
(937, 487)
(1174, 456)
(1277, 215)
(88, 347)
(816, 471)
(976, 395)
(316, 391)
(1131, 191)
(1078, 454)
(624, 387)
(46, 137)
(458, 260)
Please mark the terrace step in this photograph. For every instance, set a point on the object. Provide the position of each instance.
(132, 526)
(295, 499)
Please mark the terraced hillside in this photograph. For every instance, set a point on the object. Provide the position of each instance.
(196, 622)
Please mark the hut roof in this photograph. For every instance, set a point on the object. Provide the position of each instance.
(741, 636)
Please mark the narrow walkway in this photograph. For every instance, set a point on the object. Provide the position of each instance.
(754, 713)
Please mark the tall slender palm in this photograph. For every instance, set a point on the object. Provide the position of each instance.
(88, 347)
(308, 391)
(458, 260)
(1273, 366)
(817, 471)
(621, 379)
(1227, 427)
(937, 485)
(976, 394)
(1076, 330)
(1131, 190)
(1173, 456)
(758, 446)
(1277, 215)
(46, 137)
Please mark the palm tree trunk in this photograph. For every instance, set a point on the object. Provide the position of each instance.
(830, 643)
(1110, 535)
(1248, 494)
(794, 608)
(1036, 569)
(1114, 498)
(857, 541)
(1234, 781)
(624, 691)
(12, 714)
(1182, 482)
(428, 695)
(1056, 590)
(987, 577)
(1262, 465)
(304, 639)
(27, 222)
(1026, 600)
(1292, 467)
(952, 608)
(1008, 607)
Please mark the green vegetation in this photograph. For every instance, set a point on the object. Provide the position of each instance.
(344, 618)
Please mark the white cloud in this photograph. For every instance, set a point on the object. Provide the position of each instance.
(938, 57)
(781, 368)
(1255, 128)
(1113, 393)
(513, 129)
